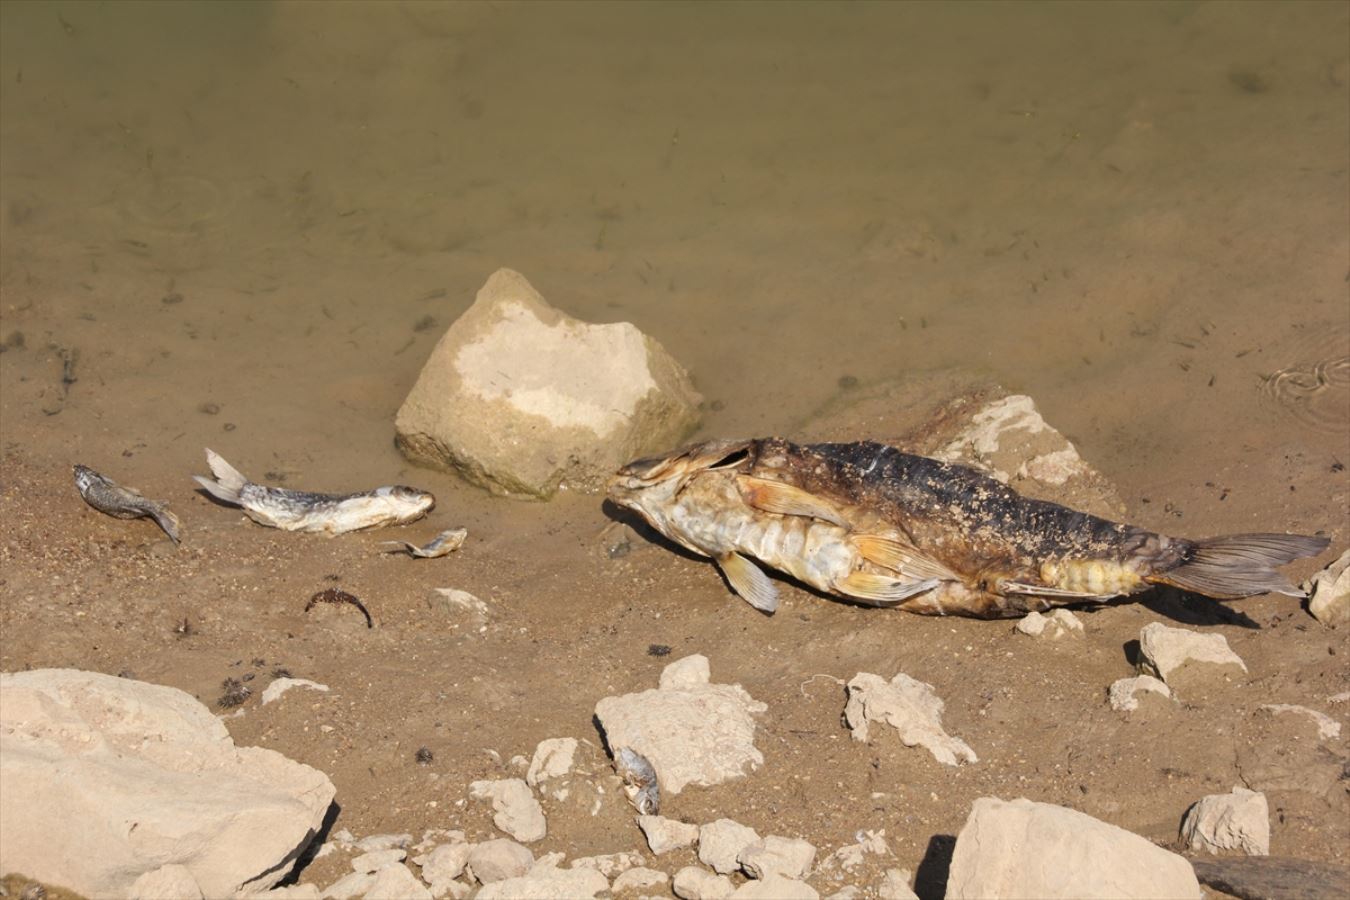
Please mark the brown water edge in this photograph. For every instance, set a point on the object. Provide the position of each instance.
(1135, 213)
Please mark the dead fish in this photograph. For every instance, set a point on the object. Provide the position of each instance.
(639, 778)
(306, 511)
(870, 523)
(107, 496)
(442, 544)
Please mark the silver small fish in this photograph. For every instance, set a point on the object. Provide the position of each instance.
(640, 783)
(442, 544)
(107, 496)
(305, 511)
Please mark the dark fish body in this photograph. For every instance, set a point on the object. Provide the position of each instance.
(307, 511)
(111, 498)
(872, 523)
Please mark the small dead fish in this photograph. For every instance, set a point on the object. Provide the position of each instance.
(867, 522)
(443, 544)
(304, 511)
(107, 496)
(639, 778)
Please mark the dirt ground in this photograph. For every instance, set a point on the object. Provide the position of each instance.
(244, 226)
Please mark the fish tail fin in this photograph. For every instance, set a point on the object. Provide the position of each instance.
(168, 521)
(1241, 565)
(229, 482)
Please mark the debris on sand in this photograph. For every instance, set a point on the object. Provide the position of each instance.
(1023, 849)
(1239, 820)
(521, 399)
(691, 731)
(1123, 692)
(281, 685)
(910, 706)
(1165, 652)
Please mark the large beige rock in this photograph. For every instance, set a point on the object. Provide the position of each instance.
(1025, 849)
(1329, 592)
(521, 399)
(104, 779)
(692, 732)
(1239, 820)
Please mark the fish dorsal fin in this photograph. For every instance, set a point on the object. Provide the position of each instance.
(748, 580)
(893, 554)
(786, 500)
(882, 590)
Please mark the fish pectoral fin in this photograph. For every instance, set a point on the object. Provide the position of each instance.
(1041, 590)
(882, 590)
(892, 554)
(749, 581)
(787, 500)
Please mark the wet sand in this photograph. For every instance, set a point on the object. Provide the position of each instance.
(245, 226)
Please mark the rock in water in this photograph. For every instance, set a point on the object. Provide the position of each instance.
(103, 779)
(1025, 849)
(520, 398)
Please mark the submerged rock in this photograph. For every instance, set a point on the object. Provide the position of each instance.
(1025, 849)
(521, 399)
(912, 707)
(93, 775)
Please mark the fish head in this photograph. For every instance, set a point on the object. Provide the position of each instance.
(649, 485)
(408, 502)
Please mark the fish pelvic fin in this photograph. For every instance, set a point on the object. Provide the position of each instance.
(229, 482)
(749, 581)
(882, 590)
(1241, 565)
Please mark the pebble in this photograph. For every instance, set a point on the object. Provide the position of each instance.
(665, 835)
(697, 883)
(498, 860)
(1122, 692)
(789, 857)
(376, 860)
(516, 811)
(637, 879)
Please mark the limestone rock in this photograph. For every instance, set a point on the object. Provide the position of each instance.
(895, 886)
(171, 882)
(553, 758)
(516, 810)
(665, 835)
(720, 844)
(353, 885)
(912, 707)
(444, 863)
(281, 685)
(697, 883)
(547, 882)
(521, 398)
(1236, 821)
(851, 856)
(788, 857)
(700, 734)
(776, 887)
(498, 860)
(1165, 651)
(1329, 592)
(1053, 625)
(1327, 727)
(82, 755)
(638, 878)
(306, 891)
(376, 860)
(688, 672)
(371, 843)
(1122, 691)
(1025, 849)
(395, 882)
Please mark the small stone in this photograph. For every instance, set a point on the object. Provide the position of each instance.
(788, 857)
(895, 886)
(517, 812)
(522, 399)
(776, 887)
(444, 863)
(395, 882)
(1122, 692)
(547, 882)
(1327, 727)
(912, 707)
(851, 856)
(697, 883)
(448, 887)
(168, 882)
(452, 601)
(689, 672)
(553, 758)
(376, 860)
(353, 885)
(665, 835)
(637, 879)
(1329, 592)
(609, 864)
(1235, 821)
(720, 844)
(1054, 625)
(382, 842)
(281, 685)
(1166, 651)
(498, 860)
